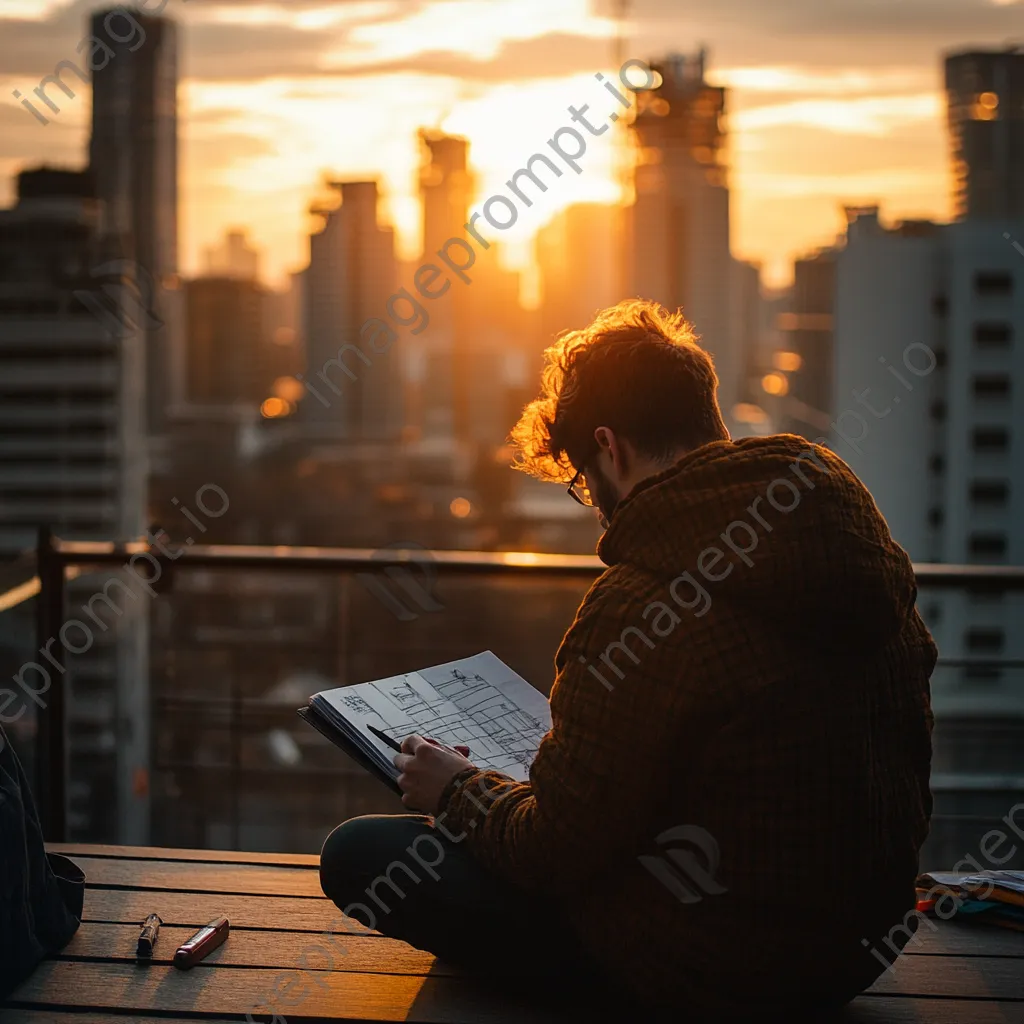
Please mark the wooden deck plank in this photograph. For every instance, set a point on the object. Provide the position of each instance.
(298, 996)
(58, 1017)
(863, 1011)
(371, 954)
(122, 906)
(977, 977)
(197, 877)
(299, 860)
(354, 997)
(952, 937)
(871, 1010)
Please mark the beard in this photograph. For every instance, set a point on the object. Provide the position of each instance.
(604, 494)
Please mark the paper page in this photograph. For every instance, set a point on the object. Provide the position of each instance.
(479, 702)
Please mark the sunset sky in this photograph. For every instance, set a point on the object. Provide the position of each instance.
(831, 102)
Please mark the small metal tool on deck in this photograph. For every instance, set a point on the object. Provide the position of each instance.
(147, 938)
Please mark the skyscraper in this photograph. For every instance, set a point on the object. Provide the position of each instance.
(72, 457)
(354, 387)
(986, 120)
(929, 365)
(445, 190)
(576, 255)
(225, 342)
(809, 327)
(234, 257)
(133, 155)
(70, 362)
(749, 312)
(680, 220)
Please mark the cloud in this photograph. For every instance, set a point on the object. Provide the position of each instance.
(235, 40)
(870, 115)
(869, 33)
(216, 152)
(22, 136)
(782, 80)
(829, 99)
(859, 18)
(806, 150)
(550, 55)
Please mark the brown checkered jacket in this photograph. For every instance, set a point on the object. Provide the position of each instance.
(750, 665)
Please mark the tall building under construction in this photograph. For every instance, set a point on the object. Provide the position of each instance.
(985, 91)
(679, 228)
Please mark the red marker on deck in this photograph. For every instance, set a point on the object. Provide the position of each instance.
(202, 944)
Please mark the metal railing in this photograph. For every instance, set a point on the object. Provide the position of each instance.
(58, 561)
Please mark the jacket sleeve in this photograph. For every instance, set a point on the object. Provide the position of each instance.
(600, 772)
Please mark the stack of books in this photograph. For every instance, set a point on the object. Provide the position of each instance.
(988, 897)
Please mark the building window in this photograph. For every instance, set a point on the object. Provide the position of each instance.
(933, 614)
(984, 640)
(983, 673)
(987, 545)
(940, 305)
(993, 335)
(938, 410)
(993, 283)
(936, 517)
(937, 465)
(990, 492)
(991, 440)
(992, 385)
(941, 358)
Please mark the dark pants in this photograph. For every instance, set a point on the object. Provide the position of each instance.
(402, 876)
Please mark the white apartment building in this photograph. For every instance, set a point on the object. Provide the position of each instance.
(929, 411)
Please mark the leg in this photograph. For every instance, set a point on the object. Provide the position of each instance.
(402, 876)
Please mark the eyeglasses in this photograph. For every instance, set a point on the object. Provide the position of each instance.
(579, 491)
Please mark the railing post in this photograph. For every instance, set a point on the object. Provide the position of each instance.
(51, 736)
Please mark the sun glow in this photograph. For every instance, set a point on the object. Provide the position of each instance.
(257, 146)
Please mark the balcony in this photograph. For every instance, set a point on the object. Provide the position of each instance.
(197, 675)
(169, 762)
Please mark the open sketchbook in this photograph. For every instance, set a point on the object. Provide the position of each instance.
(479, 702)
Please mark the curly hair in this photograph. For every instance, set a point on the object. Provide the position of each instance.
(638, 370)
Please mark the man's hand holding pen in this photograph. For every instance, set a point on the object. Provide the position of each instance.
(427, 767)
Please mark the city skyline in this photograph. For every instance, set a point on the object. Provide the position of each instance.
(266, 385)
(811, 129)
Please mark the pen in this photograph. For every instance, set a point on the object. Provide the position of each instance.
(385, 738)
(202, 944)
(395, 745)
(148, 936)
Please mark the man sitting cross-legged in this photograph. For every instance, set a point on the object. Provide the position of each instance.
(727, 812)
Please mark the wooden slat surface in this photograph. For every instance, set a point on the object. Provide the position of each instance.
(299, 996)
(193, 876)
(306, 860)
(274, 912)
(977, 977)
(870, 1010)
(292, 952)
(284, 950)
(952, 937)
(864, 1011)
(362, 997)
(62, 1017)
